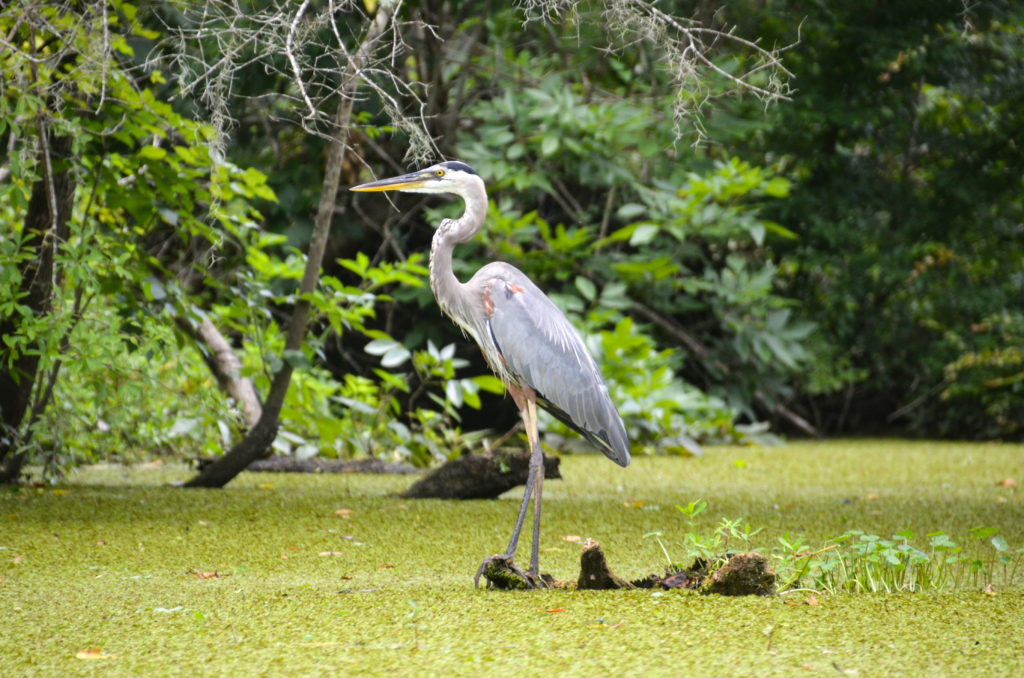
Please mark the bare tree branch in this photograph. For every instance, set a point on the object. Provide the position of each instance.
(686, 48)
(289, 50)
(277, 34)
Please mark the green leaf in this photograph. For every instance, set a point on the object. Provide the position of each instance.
(152, 153)
(757, 231)
(121, 45)
(490, 383)
(380, 346)
(779, 230)
(395, 356)
(470, 393)
(153, 289)
(586, 288)
(777, 187)
(453, 391)
(296, 359)
(643, 234)
(549, 146)
(630, 210)
(169, 215)
(127, 9)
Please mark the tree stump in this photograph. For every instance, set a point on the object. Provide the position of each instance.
(594, 571)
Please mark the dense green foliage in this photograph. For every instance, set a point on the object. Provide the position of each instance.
(152, 205)
(850, 258)
(904, 153)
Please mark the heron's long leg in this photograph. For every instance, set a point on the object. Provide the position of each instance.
(526, 399)
(536, 471)
(531, 477)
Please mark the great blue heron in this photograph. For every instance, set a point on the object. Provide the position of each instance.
(525, 339)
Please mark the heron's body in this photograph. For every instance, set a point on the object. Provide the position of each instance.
(524, 337)
(550, 358)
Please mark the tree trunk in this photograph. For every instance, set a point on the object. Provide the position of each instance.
(45, 228)
(259, 438)
(225, 365)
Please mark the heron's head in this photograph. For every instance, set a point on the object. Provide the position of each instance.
(444, 177)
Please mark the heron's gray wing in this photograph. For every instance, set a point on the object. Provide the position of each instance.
(541, 349)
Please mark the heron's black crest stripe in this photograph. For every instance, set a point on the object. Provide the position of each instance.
(456, 165)
(490, 330)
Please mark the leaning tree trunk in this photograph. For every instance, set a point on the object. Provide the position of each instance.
(45, 227)
(225, 365)
(258, 439)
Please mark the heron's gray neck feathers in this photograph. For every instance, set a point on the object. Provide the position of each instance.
(452, 295)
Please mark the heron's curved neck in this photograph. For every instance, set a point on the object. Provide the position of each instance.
(448, 291)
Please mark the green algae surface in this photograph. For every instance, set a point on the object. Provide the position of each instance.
(117, 573)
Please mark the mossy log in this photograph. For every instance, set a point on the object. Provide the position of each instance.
(285, 464)
(744, 574)
(501, 573)
(478, 476)
(281, 464)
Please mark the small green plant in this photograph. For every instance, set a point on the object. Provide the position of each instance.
(710, 550)
(857, 561)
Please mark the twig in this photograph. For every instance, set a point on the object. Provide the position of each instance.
(695, 346)
(917, 402)
(505, 436)
(699, 55)
(794, 418)
(609, 203)
(289, 52)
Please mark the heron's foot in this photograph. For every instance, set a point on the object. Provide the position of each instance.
(502, 573)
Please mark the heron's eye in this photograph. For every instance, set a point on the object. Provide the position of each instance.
(439, 173)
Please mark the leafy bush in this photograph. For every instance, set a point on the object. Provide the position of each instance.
(907, 197)
(129, 396)
(992, 374)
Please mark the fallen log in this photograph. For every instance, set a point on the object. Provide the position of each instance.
(285, 464)
(478, 476)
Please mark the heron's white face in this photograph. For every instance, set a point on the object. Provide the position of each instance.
(445, 177)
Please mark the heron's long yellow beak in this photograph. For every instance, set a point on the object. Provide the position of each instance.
(404, 182)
